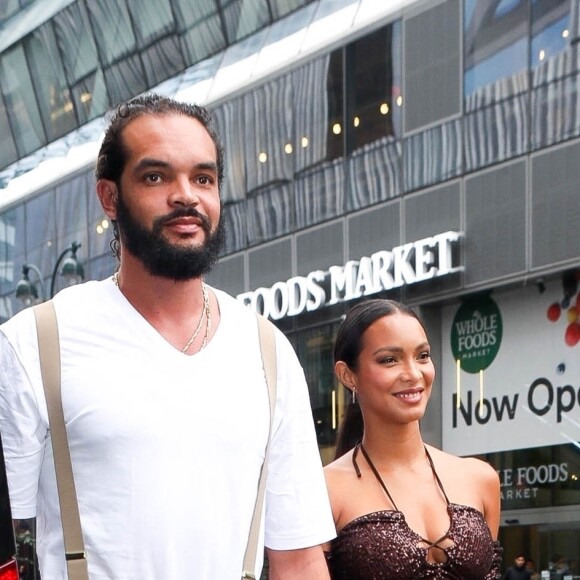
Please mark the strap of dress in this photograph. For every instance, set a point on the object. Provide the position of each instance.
(379, 478)
(376, 473)
(436, 476)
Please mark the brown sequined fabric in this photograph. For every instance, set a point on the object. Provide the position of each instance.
(381, 546)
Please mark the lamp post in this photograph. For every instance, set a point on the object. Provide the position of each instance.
(72, 270)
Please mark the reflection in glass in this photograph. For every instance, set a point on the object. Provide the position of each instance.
(243, 17)
(314, 349)
(77, 47)
(433, 155)
(373, 73)
(21, 105)
(496, 133)
(115, 41)
(270, 214)
(47, 73)
(550, 29)
(495, 43)
(319, 194)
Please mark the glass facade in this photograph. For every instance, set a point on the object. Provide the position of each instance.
(76, 65)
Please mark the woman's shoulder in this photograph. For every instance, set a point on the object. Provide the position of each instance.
(340, 467)
(480, 474)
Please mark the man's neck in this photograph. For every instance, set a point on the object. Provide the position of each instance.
(173, 308)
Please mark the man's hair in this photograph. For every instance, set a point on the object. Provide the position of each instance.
(113, 153)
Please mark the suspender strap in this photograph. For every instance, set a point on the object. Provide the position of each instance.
(49, 353)
(268, 348)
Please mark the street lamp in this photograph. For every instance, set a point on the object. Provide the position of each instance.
(26, 290)
(72, 270)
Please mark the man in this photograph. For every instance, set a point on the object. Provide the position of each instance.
(163, 388)
(518, 571)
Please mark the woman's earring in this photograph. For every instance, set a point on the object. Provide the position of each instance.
(353, 391)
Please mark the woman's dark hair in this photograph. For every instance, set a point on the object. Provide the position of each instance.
(347, 347)
(113, 154)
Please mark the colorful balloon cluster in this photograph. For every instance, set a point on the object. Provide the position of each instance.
(571, 305)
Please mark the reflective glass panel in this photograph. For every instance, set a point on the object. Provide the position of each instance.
(20, 101)
(318, 110)
(8, 153)
(41, 244)
(125, 79)
(152, 19)
(268, 131)
(554, 56)
(373, 72)
(53, 95)
(551, 32)
(281, 8)
(188, 13)
(91, 97)
(113, 30)
(11, 247)
(243, 17)
(327, 397)
(76, 43)
(496, 45)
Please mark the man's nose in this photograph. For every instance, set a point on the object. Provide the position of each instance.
(184, 193)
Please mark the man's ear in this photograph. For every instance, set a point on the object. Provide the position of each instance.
(107, 193)
(345, 375)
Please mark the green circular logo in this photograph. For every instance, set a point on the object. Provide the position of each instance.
(476, 334)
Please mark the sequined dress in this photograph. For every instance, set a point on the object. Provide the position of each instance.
(381, 546)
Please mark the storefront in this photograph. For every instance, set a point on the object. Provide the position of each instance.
(511, 394)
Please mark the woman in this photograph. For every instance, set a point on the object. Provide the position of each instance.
(402, 509)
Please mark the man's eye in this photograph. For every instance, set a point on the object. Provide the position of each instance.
(205, 180)
(153, 178)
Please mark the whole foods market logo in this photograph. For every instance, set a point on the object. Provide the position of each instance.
(476, 334)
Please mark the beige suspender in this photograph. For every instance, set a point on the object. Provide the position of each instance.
(268, 348)
(49, 353)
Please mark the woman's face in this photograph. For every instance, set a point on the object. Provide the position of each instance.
(395, 372)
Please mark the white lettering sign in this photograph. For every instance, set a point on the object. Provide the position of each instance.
(384, 270)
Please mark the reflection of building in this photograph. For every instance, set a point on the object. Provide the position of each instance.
(353, 129)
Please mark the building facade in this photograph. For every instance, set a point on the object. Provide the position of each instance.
(426, 151)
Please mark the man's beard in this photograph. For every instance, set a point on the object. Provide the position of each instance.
(159, 256)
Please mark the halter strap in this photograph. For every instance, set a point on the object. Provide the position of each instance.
(380, 479)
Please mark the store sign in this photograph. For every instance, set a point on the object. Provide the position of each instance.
(384, 270)
(510, 374)
(476, 334)
(526, 481)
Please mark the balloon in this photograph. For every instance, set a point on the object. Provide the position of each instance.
(572, 335)
(554, 312)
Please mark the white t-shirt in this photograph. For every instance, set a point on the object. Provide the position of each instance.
(166, 448)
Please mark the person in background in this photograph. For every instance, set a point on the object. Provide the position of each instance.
(531, 568)
(403, 509)
(163, 388)
(519, 570)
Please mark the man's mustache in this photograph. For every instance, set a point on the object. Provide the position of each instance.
(181, 213)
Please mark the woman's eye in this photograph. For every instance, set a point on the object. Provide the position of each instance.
(388, 360)
(425, 356)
